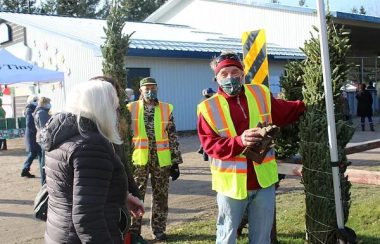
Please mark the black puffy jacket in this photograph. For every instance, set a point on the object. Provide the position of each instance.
(86, 183)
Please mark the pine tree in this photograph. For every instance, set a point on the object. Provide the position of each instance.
(114, 53)
(354, 10)
(301, 2)
(320, 215)
(138, 10)
(77, 8)
(362, 10)
(105, 10)
(18, 6)
(291, 89)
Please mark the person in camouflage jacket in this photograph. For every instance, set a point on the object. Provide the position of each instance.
(159, 174)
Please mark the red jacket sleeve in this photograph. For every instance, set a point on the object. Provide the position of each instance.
(286, 112)
(216, 146)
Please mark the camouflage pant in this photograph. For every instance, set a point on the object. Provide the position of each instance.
(159, 178)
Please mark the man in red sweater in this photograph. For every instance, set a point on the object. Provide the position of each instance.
(227, 125)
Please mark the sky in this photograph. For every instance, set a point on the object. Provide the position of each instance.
(371, 6)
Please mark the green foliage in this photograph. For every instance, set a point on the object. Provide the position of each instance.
(362, 10)
(81, 8)
(138, 10)
(291, 83)
(18, 6)
(114, 53)
(314, 146)
(364, 218)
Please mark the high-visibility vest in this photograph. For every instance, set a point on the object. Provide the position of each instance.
(229, 176)
(140, 139)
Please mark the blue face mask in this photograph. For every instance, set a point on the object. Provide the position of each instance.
(150, 95)
(231, 86)
(48, 106)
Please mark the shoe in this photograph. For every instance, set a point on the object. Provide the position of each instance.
(161, 236)
(27, 174)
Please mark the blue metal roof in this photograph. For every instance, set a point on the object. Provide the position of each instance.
(356, 17)
(148, 39)
(179, 49)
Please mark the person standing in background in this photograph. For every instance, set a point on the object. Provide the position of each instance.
(3, 142)
(364, 110)
(156, 153)
(41, 116)
(32, 147)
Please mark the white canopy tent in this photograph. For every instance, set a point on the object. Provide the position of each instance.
(14, 70)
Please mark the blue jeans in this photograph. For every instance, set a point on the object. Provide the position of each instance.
(42, 167)
(29, 160)
(260, 205)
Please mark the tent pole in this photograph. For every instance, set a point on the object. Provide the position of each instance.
(330, 112)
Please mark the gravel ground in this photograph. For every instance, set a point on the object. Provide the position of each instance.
(190, 196)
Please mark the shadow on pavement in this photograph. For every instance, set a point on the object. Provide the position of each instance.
(16, 202)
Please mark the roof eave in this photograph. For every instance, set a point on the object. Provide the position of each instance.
(161, 11)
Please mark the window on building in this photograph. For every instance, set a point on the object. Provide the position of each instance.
(134, 75)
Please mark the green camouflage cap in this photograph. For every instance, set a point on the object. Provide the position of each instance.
(148, 81)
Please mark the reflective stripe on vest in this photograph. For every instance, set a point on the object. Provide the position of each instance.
(162, 113)
(229, 176)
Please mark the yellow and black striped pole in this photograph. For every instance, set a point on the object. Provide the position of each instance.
(255, 57)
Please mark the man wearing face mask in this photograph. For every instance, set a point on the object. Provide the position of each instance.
(227, 128)
(156, 152)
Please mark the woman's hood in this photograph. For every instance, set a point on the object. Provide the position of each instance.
(59, 128)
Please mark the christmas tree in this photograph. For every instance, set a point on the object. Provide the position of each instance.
(321, 223)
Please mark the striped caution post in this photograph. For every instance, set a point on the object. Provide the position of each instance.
(255, 58)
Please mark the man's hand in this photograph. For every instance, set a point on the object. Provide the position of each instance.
(135, 206)
(174, 172)
(251, 137)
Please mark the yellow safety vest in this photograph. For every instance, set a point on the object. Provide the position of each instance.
(229, 176)
(140, 139)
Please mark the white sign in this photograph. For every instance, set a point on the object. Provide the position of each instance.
(5, 33)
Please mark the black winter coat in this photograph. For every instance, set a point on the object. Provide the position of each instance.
(364, 103)
(86, 182)
(30, 131)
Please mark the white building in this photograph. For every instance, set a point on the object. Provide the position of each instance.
(177, 56)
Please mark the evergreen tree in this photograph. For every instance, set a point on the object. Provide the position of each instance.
(18, 6)
(362, 10)
(320, 215)
(114, 53)
(138, 10)
(75, 8)
(354, 10)
(105, 10)
(301, 2)
(49, 7)
(291, 89)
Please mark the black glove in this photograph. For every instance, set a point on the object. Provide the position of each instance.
(174, 172)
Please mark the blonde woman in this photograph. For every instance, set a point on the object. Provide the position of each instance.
(41, 116)
(86, 181)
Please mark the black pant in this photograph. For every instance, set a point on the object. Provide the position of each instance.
(3, 144)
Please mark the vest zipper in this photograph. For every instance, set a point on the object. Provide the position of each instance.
(238, 101)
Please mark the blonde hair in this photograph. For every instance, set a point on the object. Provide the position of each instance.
(96, 100)
(43, 101)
